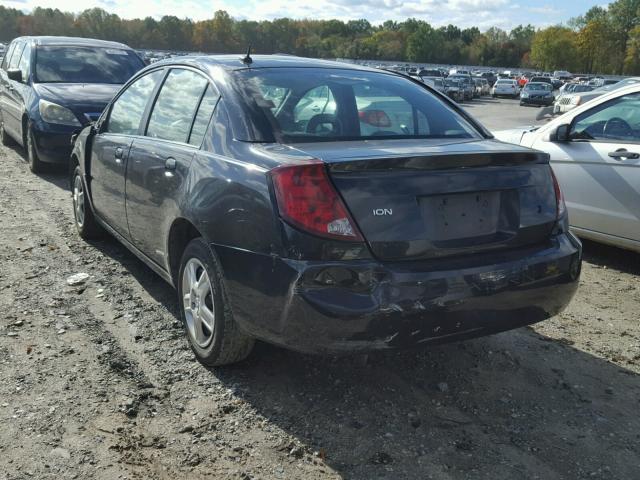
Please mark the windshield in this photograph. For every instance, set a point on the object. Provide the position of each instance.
(74, 64)
(312, 105)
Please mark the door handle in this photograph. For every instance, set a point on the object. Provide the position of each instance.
(170, 164)
(623, 153)
(118, 154)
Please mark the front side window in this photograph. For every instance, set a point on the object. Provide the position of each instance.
(7, 56)
(80, 64)
(25, 61)
(176, 106)
(334, 104)
(616, 120)
(15, 57)
(128, 109)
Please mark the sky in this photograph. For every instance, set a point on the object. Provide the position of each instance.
(463, 13)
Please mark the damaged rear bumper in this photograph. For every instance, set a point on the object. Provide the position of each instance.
(331, 307)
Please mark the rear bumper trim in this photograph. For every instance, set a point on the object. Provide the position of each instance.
(331, 307)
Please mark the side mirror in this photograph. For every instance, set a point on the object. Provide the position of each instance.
(15, 75)
(561, 133)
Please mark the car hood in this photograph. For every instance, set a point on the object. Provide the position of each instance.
(514, 135)
(83, 96)
(585, 96)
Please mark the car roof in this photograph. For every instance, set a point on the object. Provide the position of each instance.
(73, 41)
(234, 62)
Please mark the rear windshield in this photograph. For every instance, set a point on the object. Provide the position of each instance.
(313, 105)
(74, 64)
(538, 86)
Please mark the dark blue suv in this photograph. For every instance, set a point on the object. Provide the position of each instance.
(51, 87)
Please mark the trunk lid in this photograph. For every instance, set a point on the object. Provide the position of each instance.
(417, 199)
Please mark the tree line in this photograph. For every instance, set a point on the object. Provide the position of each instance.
(604, 40)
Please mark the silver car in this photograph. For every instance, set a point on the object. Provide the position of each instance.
(595, 154)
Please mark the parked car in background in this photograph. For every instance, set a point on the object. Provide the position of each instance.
(485, 88)
(595, 154)
(536, 93)
(392, 220)
(562, 98)
(543, 79)
(453, 89)
(505, 88)
(432, 72)
(51, 87)
(563, 75)
(466, 84)
(437, 83)
(571, 101)
(490, 77)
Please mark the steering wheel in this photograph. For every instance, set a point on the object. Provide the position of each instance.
(323, 119)
(616, 127)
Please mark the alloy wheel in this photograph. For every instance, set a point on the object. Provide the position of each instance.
(78, 200)
(198, 303)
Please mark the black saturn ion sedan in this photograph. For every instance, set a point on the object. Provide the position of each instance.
(322, 207)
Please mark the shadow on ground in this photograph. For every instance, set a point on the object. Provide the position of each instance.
(514, 405)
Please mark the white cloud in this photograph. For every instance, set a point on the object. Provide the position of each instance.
(463, 13)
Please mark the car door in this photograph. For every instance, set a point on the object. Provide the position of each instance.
(110, 150)
(11, 107)
(160, 160)
(4, 80)
(599, 168)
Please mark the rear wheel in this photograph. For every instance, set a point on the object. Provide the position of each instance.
(86, 224)
(5, 139)
(213, 334)
(35, 165)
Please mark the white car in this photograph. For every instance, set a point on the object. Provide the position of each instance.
(437, 83)
(595, 154)
(505, 88)
(569, 102)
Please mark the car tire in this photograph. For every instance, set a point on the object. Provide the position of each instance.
(5, 139)
(86, 224)
(35, 165)
(213, 334)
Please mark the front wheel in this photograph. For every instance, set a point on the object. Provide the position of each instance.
(213, 334)
(35, 165)
(85, 221)
(5, 139)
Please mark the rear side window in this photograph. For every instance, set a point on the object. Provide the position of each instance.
(201, 122)
(176, 106)
(128, 109)
(308, 105)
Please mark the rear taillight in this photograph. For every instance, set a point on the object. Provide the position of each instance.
(308, 200)
(561, 207)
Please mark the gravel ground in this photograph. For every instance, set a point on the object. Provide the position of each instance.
(98, 380)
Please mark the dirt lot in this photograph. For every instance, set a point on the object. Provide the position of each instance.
(98, 381)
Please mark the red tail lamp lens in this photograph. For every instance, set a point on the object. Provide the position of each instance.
(561, 207)
(307, 200)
